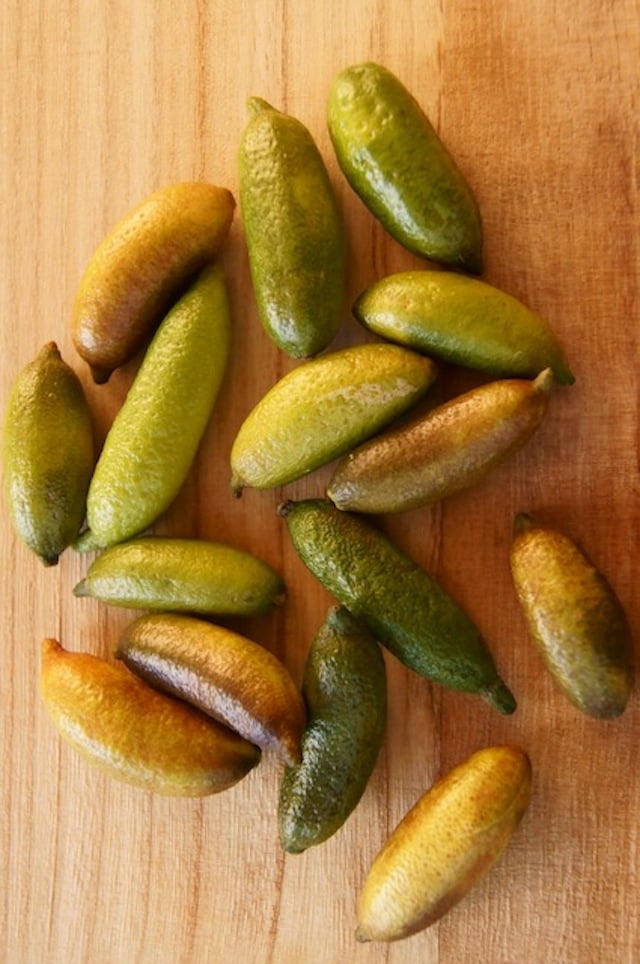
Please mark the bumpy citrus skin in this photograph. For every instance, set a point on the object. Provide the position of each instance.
(139, 269)
(295, 237)
(224, 674)
(464, 321)
(345, 691)
(324, 407)
(183, 575)
(134, 733)
(445, 843)
(394, 160)
(451, 448)
(154, 438)
(575, 619)
(47, 454)
(405, 609)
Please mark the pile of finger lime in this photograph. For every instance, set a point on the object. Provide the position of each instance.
(187, 707)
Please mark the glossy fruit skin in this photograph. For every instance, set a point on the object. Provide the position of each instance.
(294, 232)
(463, 321)
(324, 407)
(445, 843)
(451, 448)
(139, 270)
(402, 605)
(345, 691)
(227, 676)
(48, 454)
(394, 160)
(155, 436)
(136, 734)
(575, 619)
(182, 575)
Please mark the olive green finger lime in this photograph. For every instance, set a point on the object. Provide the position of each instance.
(154, 438)
(452, 447)
(182, 575)
(405, 608)
(229, 677)
(464, 321)
(139, 269)
(395, 161)
(135, 734)
(448, 840)
(345, 691)
(324, 407)
(574, 617)
(47, 454)
(294, 232)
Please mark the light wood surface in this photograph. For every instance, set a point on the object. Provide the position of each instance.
(102, 101)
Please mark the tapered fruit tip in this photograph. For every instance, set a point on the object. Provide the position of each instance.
(49, 561)
(236, 487)
(49, 647)
(50, 348)
(81, 589)
(285, 508)
(544, 381)
(522, 522)
(361, 937)
(256, 105)
(500, 696)
(100, 375)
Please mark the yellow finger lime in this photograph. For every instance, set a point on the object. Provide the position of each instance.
(574, 617)
(464, 321)
(139, 269)
(295, 238)
(324, 407)
(47, 454)
(227, 676)
(449, 449)
(187, 575)
(154, 438)
(136, 734)
(394, 160)
(448, 840)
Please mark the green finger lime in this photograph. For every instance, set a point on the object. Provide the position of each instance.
(182, 575)
(47, 454)
(403, 606)
(345, 691)
(294, 232)
(464, 321)
(324, 407)
(395, 161)
(154, 438)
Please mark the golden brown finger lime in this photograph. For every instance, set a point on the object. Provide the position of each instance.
(136, 734)
(226, 675)
(574, 617)
(140, 268)
(445, 844)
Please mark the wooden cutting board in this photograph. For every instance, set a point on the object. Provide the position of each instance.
(102, 101)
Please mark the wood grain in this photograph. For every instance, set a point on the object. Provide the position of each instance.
(102, 101)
